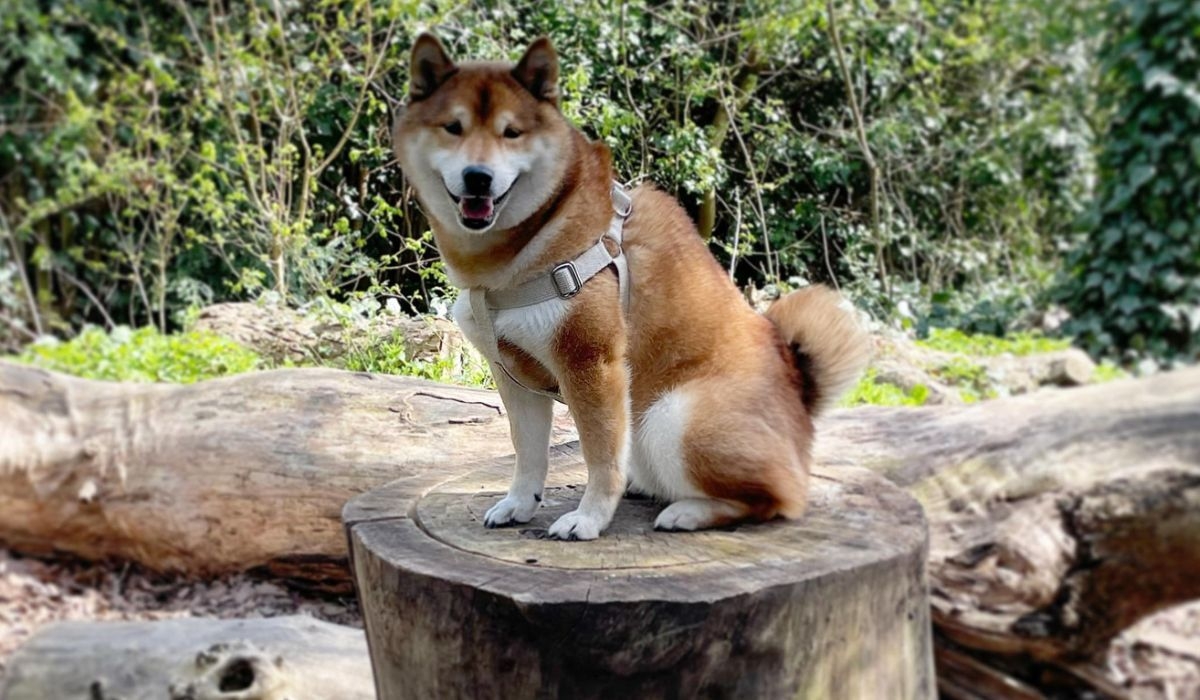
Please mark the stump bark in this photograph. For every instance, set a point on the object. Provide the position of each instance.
(831, 606)
(193, 659)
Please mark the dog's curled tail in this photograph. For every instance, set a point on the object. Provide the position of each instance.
(828, 345)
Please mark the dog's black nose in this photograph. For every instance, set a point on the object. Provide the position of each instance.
(478, 179)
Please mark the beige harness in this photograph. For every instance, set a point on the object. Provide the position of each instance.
(562, 282)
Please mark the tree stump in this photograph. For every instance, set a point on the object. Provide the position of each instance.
(831, 606)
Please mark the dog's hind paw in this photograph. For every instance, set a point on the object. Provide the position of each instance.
(512, 509)
(697, 514)
(577, 526)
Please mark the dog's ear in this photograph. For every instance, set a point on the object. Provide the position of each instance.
(431, 66)
(538, 70)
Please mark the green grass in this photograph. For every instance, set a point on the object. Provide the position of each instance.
(142, 355)
(954, 340)
(871, 392)
(145, 355)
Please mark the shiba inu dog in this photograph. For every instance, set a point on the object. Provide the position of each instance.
(678, 388)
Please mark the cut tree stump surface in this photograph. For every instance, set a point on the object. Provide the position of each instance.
(832, 605)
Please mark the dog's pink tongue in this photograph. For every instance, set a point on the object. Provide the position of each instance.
(476, 207)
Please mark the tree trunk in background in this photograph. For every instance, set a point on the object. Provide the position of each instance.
(747, 79)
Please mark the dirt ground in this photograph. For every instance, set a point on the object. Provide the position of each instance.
(1159, 659)
(34, 593)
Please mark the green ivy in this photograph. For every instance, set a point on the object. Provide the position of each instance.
(1133, 283)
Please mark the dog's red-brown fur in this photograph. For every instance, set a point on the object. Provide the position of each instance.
(748, 431)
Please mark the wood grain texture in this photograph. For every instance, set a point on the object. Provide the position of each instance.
(830, 606)
(193, 659)
(1070, 512)
(226, 475)
(1057, 519)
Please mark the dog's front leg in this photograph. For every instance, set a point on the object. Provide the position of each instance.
(529, 421)
(598, 394)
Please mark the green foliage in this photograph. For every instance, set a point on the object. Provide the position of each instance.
(391, 357)
(164, 155)
(872, 392)
(1134, 281)
(969, 378)
(146, 355)
(143, 355)
(1106, 371)
(1019, 344)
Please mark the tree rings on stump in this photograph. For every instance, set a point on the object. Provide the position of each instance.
(833, 605)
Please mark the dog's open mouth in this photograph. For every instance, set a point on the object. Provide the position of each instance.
(478, 212)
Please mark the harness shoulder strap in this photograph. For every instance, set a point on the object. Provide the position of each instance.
(564, 281)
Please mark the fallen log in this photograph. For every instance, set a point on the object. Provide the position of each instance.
(228, 475)
(1057, 519)
(1044, 509)
(193, 659)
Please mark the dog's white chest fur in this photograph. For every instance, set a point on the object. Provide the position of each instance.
(531, 328)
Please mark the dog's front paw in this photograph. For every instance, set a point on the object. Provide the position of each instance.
(512, 509)
(577, 526)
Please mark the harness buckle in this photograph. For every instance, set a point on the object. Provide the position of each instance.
(566, 280)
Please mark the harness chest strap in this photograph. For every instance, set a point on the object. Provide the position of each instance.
(563, 282)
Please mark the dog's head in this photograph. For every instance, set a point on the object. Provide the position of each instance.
(481, 142)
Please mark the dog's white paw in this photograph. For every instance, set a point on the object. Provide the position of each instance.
(512, 509)
(577, 526)
(688, 514)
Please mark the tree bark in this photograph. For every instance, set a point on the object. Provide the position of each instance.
(1056, 518)
(229, 475)
(743, 84)
(193, 659)
(864, 145)
(831, 606)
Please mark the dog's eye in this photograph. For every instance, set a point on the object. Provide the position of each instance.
(454, 127)
(511, 133)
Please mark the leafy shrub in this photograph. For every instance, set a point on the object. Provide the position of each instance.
(143, 355)
(391, 357)
(1134, 281)
(156, 166)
